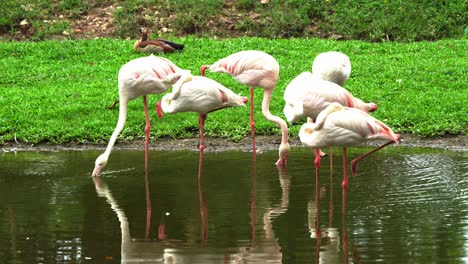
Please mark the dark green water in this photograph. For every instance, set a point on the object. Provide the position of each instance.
(408, 205)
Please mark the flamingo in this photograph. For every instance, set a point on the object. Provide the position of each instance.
(307, 96)
(256, 69)
(333, 66)
(343, 126)
(139, 77)
(201, 95)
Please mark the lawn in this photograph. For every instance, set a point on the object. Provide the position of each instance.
(60, 91)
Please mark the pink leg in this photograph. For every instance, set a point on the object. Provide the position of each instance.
(147, 189)
(344, 233)
(252, 120)
(147, 131)
(202, 200)
(201, 124)
(355, 161)
(344, 184)
(253, 203)
(317, 192)
(330, 209)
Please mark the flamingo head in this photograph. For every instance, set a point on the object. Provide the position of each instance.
(203, 69)
(372, 107)
(283, 155)
(100, 163)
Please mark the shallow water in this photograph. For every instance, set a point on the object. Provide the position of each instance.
(407, 205)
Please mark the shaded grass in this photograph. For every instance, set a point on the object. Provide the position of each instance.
(60, 92)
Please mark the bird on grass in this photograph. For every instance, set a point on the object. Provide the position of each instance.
(256, 69)
(343, 127)
(156, 45)
(201, 95)
(140, 77)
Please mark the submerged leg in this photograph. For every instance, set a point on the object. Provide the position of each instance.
(317, 192)
(355, 161)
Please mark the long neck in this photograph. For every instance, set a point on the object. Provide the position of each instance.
(103, 191)
(120, 124)
(266, 112)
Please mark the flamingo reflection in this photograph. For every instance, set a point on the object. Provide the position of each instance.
(267, 249)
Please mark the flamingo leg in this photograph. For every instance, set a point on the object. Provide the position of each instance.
(344, 233)
(201, 197)
(253, 203)
(330, 209)
(147, 190)
(147, 131)
(355, 161)
(201, 124)
(344, 184)
(317, 192)
(252, 120)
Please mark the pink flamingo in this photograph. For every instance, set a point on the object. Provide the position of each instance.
(342, 126)
(256, 69)
(201, 95)
(306, 96)
(333, 66)
(139, 77)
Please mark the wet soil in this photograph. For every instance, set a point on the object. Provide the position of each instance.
(264, 143)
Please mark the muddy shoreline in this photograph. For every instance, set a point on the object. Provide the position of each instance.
(264, 143)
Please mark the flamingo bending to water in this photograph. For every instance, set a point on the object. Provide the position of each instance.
(139, 77)
(342, 126)
(201, 95)
(256, 69)
(307, 96)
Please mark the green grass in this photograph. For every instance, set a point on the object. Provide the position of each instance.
(60, 91)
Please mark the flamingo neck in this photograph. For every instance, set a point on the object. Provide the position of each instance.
(275, 119)
(118, 127)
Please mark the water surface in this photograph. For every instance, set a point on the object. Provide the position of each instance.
(407, 205)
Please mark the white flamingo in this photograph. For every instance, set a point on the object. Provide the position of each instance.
(201, 95)
(343, 127)
(139, 77)
(256, 69)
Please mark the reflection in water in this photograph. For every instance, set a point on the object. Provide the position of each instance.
(409, 205)
(131, 250)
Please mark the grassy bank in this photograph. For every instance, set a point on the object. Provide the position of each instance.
(58, 92)
(411, 20)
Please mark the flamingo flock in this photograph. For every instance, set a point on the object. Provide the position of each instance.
(335, 117)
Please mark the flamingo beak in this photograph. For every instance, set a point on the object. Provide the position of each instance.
(203, 69)
(96, 171)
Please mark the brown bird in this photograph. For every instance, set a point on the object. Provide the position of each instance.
(156, 45)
